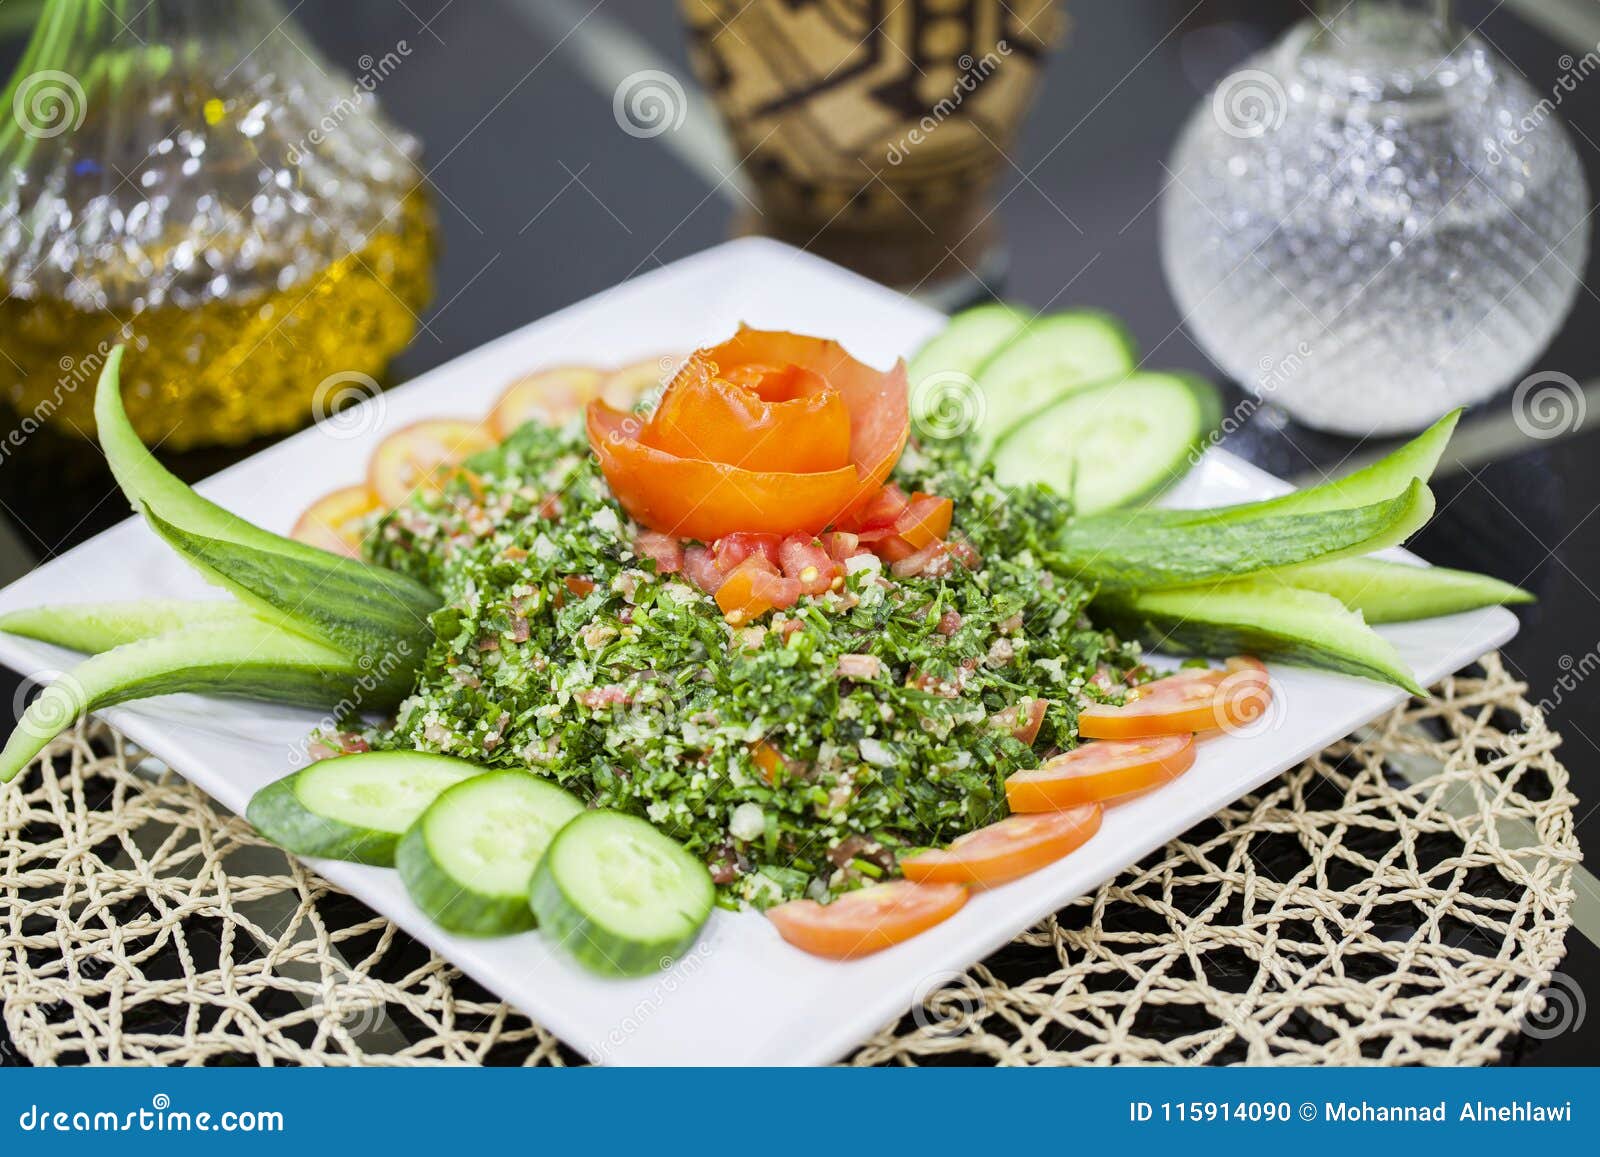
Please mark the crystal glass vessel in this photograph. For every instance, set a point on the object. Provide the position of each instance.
(188, 177)
(1375, 220)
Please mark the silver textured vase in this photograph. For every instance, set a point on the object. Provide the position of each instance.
(1375, 220)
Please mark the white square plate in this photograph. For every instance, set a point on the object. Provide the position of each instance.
(743, 997)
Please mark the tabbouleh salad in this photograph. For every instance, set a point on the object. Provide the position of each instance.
(798, 756)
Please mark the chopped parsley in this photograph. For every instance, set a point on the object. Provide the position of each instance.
(798, 755)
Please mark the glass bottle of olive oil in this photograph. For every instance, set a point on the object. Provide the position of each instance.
(189, 177)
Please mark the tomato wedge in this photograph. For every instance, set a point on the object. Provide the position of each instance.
(868, 921)
(1229, 697)
(336, 521)
(422, 457)
(1102, 772)
(550, 396)
(1007, 850)
(692, 498)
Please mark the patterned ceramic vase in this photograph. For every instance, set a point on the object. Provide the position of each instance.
(874, 129)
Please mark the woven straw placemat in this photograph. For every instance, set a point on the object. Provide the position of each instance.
(1401, 898)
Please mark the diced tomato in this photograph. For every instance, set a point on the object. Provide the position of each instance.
(732, 549)
(1022, 719)
(882, 510)
(664, 550)
(932, 559)
(1007, 850)
(1112, 769)
(858, 666)
(701, 569)
(841, 544)
(964, 553)
(611, 695)
(949, 623)
(925, 520)
(770, 760)
(753, 588)
(886, 544)
(804, 560)
(867, 921)
(1193, 700)
(578, 586)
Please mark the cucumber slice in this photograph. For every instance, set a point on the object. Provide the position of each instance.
(971, 338)
(355, 807)
(97, 627)
(1134, 550)
(1052, 357)
(1259, 617)
(253, 660)
(623, 898)
(1395, 592)
(1383, 479)
(469, 857)
(1113, 445)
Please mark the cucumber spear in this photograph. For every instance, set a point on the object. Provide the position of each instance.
(310, 628)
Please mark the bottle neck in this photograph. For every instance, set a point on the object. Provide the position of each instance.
(1378, 51)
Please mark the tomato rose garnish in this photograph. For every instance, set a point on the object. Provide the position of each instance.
(767, 433)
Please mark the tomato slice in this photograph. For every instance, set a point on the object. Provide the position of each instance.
(627, 386)
(1004, 851)
(337, 522)
(867, 921)
(422, 457)
(1102, 772)
(550, 396)
(1195, 700)
(693, 498)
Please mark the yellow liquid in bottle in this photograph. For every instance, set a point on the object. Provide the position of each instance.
(232, 369)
